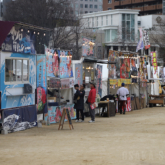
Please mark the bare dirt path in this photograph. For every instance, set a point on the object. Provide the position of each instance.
(138, 138)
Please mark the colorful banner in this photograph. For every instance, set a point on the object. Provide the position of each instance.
(54, 113)
(154, 61)
(71, 84)
(66, 64)
(41, 85)
(99, 80)
(134, 70)
(88, 48)
(125, 68)
(141, 43)
(52, 63)
(119, 81)
(146, 39)
(18, 41)
(78, 74)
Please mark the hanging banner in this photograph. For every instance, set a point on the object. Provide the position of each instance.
(99, 80)
(41, 85)
(65, 83)
(154, 61)
(146, 39)
(18, 41)
(71, 84)
(125, 68)
(140, 44)
(78, 74)
(88, 48)
(66, 64)
(133, 70)
(52, 63)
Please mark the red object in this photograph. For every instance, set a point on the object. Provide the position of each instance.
(122, 105)
(5, 29)
(92, 95)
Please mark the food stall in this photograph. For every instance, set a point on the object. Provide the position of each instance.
(18, 74)
(60, 84)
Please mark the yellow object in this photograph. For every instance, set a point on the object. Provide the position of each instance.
(160, 88)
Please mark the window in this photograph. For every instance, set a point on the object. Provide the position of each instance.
(16, 70)
(91, 0)
(86, 6)
(95, 6)
(109, 8)
(91, 6)
(81, 5)
(86, 12)
(95, 0)
(109, 1)
(113, 34)
(107, 34)
(106, 20)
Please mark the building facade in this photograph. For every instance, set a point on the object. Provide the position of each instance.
(146, 7)
(120, 28)
(87, 6)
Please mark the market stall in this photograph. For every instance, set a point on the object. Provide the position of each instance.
(60, 84)
(18, 75)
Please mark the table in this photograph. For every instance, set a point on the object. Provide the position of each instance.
(111, 107)
(158, 99)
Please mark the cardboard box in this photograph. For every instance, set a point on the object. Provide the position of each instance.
(52, 98)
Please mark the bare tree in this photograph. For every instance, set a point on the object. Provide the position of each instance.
(157, 36)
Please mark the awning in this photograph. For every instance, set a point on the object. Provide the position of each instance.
(5, 28)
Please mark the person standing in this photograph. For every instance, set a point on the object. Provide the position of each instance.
(91, 101)
(122, 94)
(79, 101)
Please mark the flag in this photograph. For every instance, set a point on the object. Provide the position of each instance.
(141, 43)
(146, 39)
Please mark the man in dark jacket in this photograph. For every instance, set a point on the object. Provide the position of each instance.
(91, 101)
(79, 102)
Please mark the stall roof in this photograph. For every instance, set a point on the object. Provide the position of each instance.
(6, 26)
(94, 60)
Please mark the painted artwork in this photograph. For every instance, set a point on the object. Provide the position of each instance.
(12, 95)
(88, 48)
(78, 74)
(41, 85)
(18, 41)
(99, 80)
(54, 113)
(133, 70)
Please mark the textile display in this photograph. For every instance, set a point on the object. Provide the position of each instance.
(18, 41)
(78, 74)
(41, 85)
(88, 48)
(140, 43)
(55, 112)
(19, 119)
(99, 80)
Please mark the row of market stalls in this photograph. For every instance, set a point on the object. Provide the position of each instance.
(37, 82)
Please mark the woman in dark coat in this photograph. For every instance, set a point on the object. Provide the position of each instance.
(79, 102)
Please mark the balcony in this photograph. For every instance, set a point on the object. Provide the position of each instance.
(159, 6)
(138, 8)
(126, 2)
(150, 0)
(137, 1)
(152, 7)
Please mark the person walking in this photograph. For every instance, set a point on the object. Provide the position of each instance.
(122, 95)
(79, 102)
(91, 101)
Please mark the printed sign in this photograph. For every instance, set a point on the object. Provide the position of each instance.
(65, 83)
(146, 39)
(55, 112)
(154, 61)
(78, 74)
(125, 68)
(99, 80)
(88, 47)
(18, 41)
(41, 85)
(54, 83)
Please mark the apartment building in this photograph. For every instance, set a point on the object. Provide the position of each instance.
(87, 6)
(146, 7)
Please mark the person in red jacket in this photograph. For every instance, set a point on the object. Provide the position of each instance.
(91, 101)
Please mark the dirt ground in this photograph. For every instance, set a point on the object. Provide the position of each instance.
(137, 138)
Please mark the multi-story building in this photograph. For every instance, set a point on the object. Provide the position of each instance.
(0, 10)
(87, 6)
(121, 28)
(146, 7)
